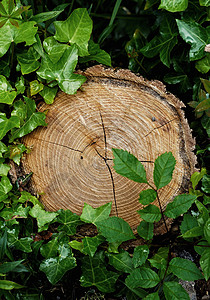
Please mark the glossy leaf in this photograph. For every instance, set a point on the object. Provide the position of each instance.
(150, 213)
(203, 65)
(145, 230)
(206, 184)
(188, 223)
(50, 249)
(205, 262)
(140, 255)
(93, 215)
(35, 87)
(174, 291)
(94, 273)
(4, 169)
(164, 167)
(33, 120)
(197, 176)
(174, 6)
(7, 124)
(3, 244)
(194, 34)
(3, 149)
(204, 105)
(9, 285)
(23, 244)
(121, 262)
(147, 196)
(204, 2)
(45, 16)
(193, 232)
(127, 165)
(5, 187)
(49, 94)
(68, 220)
(29, 61)
(7, 94)
(43, 217)
(180, 205)
(153, 296)
(95, 53)
(54, 49)
(27, 197)
(115, 229)
(206, 230)
(142, 277)
(10, 266)
(184, 269)
(90, 244)
(75, 30)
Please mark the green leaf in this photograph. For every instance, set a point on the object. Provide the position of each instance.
(4, 169)
(7, 94)
(9, 285)
(163, 43)
(178, 78)
(197, 176)
(142, 277)
(145, 230)
(164, 167)
(206, 84)
(20, 85)
(49, 94)
(75, 30)
(3, 244)
(204, 3)
(15, 152)
(121, 262)
(91, 244)
(184, 269)
(23, 244)
(7, 124)
(95, 53)
(62, 71)
(159, 260)
(174, 291)
(147, 196)
(93, 215)
(28, 61)
(150, 213)
(204, 213)
(115, 229)
(180, 205)
(69, 221)
(3, 149)
(203, 65)
(35, 87)
(43, 217)
(50, 249)
(33, 120)
(127, 165)
(153, 296)
(94, 273)
(203, 105)
(45, 16)
(206, 230)
(193, 232)
(140, 255)
(5, 187)
(54, 49)
(206, 184)
(188, 223)
(27, 197)
(55, 268)
(10, 266)
(195, 35)
(173, 6)
(205, 263)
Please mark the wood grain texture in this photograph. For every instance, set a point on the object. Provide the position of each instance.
(72, 160)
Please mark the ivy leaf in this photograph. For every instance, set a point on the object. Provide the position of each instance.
(180, 205)
(97, 54)
(35, 87)
(94, 273)
(174, 291)
(15, 152)
(62, 71)
(69, 221)
(28, 61)
(10, 266)
(150, 213)
(115, 229)
(5, 187)
(49, 93)
(205, 262)
(33, 120)
(23, 244)
(54, 49)
(20, 85)
(127, 165)
(164, 167)
(206, 230)
(163, 43)
(121, 262)
(203, 65)
(3, 149)
(4, 169)
(27, 197)
(45, 16)
(184, 269)
(204, 3)
(55, 268)
(145, 230)
(173, 6)
(142, 277)
(7, 93)
(140, 255)
(93, 215)
(43, 217)
(197, 176)
(91, 244)
(75, 30)
(147, 196)
(9, 285)
(195, 35)
(50, 249)
(7, 124)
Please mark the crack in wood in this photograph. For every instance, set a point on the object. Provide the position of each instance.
(159, 127)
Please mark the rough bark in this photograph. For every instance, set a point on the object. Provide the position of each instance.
(72, 160)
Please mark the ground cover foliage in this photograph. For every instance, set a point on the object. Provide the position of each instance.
(44, 255)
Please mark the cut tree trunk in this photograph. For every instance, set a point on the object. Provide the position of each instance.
(72, 160)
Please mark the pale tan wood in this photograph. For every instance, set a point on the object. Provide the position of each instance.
(113, 109)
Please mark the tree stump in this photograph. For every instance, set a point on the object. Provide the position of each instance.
(72, 160)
